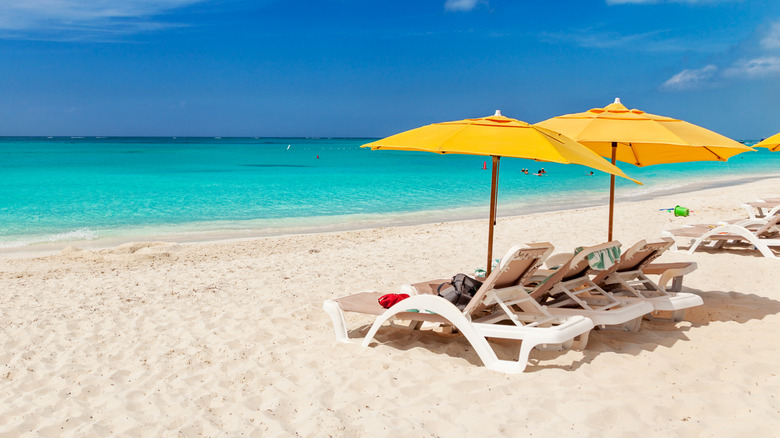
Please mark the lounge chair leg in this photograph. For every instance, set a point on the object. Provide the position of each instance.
(694, 244)
(555, 347)
(633, 325)
(764, 250)
(522, 359)
(449, 312)
(580, 342)
(333, 309)
(749, 209)
(667, 315)
(677, 284)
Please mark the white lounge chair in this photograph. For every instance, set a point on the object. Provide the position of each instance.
(762, 235)
(568, 290)
(531, 325)
(627, 279)
(755, 209)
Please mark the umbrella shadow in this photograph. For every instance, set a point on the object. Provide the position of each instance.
(719, 306)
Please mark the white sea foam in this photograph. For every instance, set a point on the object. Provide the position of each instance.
(80, 234)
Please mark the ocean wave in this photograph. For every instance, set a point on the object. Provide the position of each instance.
(80, 234)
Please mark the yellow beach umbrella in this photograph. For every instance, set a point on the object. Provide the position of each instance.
(772, 143)
(642, 139)
(496, 136)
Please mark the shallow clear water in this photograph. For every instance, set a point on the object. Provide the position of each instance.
(54, 189)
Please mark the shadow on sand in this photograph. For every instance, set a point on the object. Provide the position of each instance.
(718, 307)
(734, 248)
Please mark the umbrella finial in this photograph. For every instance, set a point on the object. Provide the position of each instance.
(616, 106)
(498, 113)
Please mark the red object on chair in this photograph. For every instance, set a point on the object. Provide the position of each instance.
(389, 300)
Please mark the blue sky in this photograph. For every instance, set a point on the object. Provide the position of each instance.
(375, 67)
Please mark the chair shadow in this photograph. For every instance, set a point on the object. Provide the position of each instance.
(405, 339)
(740, 249)
(719, 306)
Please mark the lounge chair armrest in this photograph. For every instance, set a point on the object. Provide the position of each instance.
(744, 222)
(670, 271)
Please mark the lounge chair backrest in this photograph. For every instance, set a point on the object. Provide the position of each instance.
(642, 253)
(575, 267)
(519, 263)
(634, 258)
(769, 227)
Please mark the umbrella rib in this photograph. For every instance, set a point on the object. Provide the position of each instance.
(713, 153)
(444, 142)
(636, 157)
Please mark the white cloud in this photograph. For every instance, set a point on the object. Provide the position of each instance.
(755, 68)
(462, 5)
(755, 58)
(80, 18)
(690, 79)
(598, 39)
(771, 40)
(658, 40)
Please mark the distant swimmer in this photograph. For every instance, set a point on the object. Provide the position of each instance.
(525, 171)
(589, 173)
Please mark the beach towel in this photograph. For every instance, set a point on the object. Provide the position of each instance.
(482, 273)
(602, 259)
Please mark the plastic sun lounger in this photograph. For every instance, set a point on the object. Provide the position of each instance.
(627, 276)
(532, 325)
(568, 290)
(762, 235)
(755, 209)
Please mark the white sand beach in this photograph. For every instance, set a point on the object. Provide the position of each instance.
(229, 339)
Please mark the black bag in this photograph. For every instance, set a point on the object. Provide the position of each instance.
(460, 290)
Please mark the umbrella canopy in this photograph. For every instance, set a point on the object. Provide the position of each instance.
(642, 139)
(772, 143)
(495, 136)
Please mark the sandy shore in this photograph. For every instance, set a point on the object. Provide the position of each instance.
(214, 339)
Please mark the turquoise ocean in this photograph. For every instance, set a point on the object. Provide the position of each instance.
(56, 191)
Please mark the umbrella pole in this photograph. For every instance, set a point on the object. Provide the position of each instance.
(612, 193)
(493, 199)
